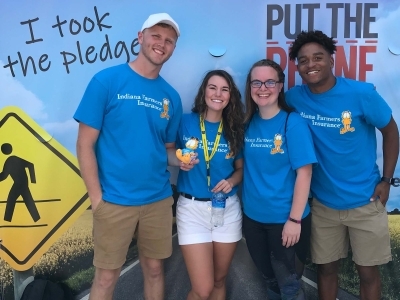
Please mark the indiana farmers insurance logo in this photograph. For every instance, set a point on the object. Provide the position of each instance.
(349, 22)
(41, 190)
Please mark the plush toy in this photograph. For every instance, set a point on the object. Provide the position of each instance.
(187, 154)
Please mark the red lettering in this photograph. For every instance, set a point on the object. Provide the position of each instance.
(342, 68)
(364, 67)
(344, 65)
(271, 51)
(291, 74)
(283, 60)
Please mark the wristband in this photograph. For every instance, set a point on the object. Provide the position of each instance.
(294, 220)
(392, 181)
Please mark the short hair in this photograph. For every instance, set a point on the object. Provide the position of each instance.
(315, 36)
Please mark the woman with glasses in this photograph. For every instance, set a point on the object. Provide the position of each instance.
(216, 121)
(278, 156)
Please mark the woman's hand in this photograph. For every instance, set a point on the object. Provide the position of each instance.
(224, 185)
(290, 234)
(189, 166)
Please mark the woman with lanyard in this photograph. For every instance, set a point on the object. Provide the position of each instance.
(278, 153)
(216, 121)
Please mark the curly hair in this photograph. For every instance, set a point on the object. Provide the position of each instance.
(232, 115)
(315, 36)
(251, 106)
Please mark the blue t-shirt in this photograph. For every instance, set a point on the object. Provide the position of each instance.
(222, 165)
(271, 158)
(136, 116)
(342, 122)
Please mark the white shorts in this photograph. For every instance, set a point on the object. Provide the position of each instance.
(193, 219)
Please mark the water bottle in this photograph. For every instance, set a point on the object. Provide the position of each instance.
(218, 201)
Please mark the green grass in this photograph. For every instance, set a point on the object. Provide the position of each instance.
(80, 280)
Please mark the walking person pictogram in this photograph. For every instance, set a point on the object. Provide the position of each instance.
(15, 167)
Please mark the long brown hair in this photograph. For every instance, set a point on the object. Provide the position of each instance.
(233, 113)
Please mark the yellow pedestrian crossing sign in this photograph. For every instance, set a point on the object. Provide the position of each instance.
(41, 190)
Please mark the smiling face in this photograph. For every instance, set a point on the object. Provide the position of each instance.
(157, 43)
(265, 97)
(217, 94)
(315, 65)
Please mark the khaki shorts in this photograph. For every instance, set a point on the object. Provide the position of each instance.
(365, 227)
(114, 227)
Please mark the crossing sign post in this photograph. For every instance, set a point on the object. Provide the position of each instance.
(41, 190)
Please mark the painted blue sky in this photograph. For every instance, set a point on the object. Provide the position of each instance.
(240, 27)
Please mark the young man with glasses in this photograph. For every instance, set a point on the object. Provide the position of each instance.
(349, 193)
(128, 121)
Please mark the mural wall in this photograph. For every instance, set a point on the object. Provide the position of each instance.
(49, 50)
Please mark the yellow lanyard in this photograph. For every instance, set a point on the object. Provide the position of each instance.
(207, 156)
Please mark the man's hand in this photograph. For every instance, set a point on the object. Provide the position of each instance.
(94, 203)
(381, 192)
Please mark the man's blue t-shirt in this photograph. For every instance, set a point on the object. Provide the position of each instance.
(136, 116)
(342, 122)
(222, 165)
(271, 157)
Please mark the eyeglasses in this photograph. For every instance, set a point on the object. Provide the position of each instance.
(270, 83)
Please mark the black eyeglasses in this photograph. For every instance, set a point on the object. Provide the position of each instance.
(270, 83)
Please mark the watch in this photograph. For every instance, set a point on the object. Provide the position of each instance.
(392, 181)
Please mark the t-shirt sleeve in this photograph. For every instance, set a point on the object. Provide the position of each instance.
(376, 111)
(299, 142)
(290, 96)
(92, 107)
(174, 122)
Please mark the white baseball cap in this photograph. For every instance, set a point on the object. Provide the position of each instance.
(160, 18)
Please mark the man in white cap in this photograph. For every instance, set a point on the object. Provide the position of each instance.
(128, 121)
